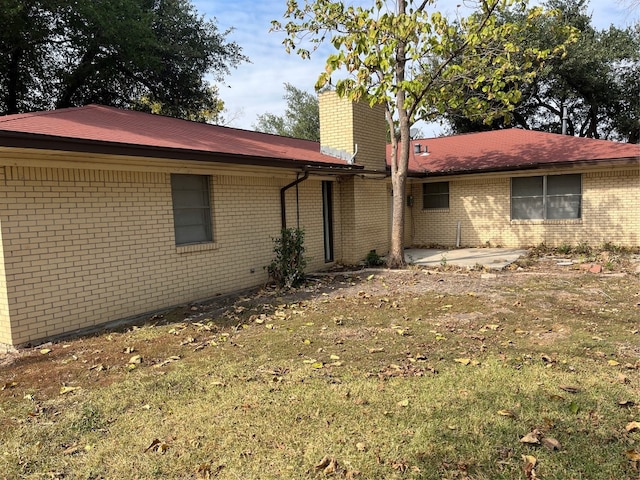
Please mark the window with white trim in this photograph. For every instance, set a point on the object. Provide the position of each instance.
(435, 195)
(191, 209)
(546, 197)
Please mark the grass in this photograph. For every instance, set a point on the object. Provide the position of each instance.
(413, 375)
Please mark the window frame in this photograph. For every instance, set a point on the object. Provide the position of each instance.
(181, 208)
(436, 195)
(545, 198)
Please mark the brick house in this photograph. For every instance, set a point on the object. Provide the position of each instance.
(106, 214)
(518, 188)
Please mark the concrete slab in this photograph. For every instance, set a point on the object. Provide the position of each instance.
(491, 258)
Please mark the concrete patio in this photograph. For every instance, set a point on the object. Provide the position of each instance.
(490, 258)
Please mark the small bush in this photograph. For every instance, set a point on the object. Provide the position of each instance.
(287, 268)
(564, 248)
(582, 248)
(373, 259)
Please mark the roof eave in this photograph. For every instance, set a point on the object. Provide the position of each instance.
(51, 142)
(602, 162)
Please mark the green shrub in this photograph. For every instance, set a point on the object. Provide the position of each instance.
(373, 259)
(287, 268)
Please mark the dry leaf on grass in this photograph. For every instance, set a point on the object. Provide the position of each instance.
(569, 388)
(507, 413)
(632, 427)
(66, 389)
(532, 438)
(529, 466)
(157, 446)
(551, 443)
(328, 465)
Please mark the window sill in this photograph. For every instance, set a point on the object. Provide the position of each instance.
(564, 221)
(196, 247)
(437, 210)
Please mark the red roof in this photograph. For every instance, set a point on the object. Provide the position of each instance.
(511, 149)
(108, 124)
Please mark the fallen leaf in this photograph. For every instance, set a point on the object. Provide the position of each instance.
(403, 403)
(633, 455)
(376, 350)
(44, 351)
(334, 357)
(463, 361)
(507, 413)
(9, 385)
(361, 447)
(66, 389)
(569, 388)
(317, 365)
(626, 403)
(71, 450)
(532, 438)
(529, 466)
(613, 363)
(632, 427)
(551, 443)
(322, 464)
(135, 360)
(129, 350)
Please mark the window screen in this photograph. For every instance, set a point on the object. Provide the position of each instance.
(546, 197)
(435, 195)
(191, 209)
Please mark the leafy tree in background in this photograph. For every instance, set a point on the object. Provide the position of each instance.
(145, 54)
(301, 119)
(409, 57)
(597, 81)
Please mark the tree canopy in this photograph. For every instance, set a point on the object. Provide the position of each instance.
(300, 120)
(597, 81)
(419, 64)
(150, 55)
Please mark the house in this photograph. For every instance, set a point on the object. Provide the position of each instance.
(517, 188)
(107, 214)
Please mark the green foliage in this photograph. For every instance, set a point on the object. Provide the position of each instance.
(300, 120)
(151, 56)
(373, 259)
(287, 267)
(597, 79)
(419, 64)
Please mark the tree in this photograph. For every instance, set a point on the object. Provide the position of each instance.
(144, 54)
(301, 119)
(417, 63)
(597, 81)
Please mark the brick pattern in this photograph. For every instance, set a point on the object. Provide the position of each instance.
(610, 213)
(83, 247)
(364, 202)
(344, 124)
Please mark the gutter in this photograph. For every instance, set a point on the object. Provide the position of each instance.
(50, 142)
(283, 205)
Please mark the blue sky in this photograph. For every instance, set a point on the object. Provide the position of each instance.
(257, 87)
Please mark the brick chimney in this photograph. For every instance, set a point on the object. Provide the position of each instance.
(345, 124)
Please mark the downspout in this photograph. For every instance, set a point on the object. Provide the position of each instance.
(283, 208)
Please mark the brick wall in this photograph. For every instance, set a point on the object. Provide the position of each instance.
(610, 213)
(83, 247)
(344, 124)
(365, 201)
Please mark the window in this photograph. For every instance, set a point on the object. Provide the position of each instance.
(435, 195)
(191, 209)
(546, 197)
